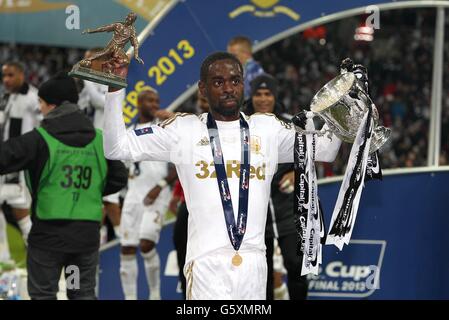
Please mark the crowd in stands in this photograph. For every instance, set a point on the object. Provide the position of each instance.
(40, 62)
(399, 62)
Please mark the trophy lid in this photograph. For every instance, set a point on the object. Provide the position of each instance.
(332, 92)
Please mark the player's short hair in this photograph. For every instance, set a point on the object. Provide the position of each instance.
(148, 90)
(214, 57)
(242, 40)
(16, 64)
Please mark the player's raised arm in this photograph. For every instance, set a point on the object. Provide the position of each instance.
(150, 143)
(106, 28)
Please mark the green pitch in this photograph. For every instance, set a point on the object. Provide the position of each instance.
(16, 246)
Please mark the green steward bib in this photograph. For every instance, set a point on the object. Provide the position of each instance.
(72, 181)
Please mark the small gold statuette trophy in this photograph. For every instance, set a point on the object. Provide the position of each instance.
(100, 66)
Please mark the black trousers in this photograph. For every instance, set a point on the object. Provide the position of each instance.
(297, 285)
(180, 242)
(44, 271)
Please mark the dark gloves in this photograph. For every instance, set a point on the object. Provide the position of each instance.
(300, 119)
(359, 71)
(346, 65)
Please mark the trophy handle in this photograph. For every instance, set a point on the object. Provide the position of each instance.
(310, 115)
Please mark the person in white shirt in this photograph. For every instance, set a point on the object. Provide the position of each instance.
(225, 162)
(144, 207)
(19, 114)
(92, 98)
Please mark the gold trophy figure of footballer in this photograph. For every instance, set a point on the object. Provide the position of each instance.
(100, 66)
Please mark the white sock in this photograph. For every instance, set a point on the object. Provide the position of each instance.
(128, 275)
(153, 273)
(117, 231)
(4, 246)
(103, 235)
(25, 227)
(281, 293)
(97, 281)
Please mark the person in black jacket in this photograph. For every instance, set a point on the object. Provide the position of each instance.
(280, 220)
(67, 175)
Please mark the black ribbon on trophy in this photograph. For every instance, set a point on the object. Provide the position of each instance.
(345, 211)
(309, 218)
(347, 97)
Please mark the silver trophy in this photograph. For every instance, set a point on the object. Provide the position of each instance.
(342, 104)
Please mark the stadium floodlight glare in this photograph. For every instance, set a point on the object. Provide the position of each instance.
(364, 33)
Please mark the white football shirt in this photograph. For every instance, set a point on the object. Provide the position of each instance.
(144, 175)
(184, 140)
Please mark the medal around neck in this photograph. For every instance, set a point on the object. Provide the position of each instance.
(236, 229)
(237, 259)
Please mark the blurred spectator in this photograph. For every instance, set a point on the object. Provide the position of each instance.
(242, 48)
(400, 70)
(19, 114)
(40, 62)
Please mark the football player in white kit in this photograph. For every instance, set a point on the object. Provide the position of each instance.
(144, 207)
(225, 162)
(19, 114)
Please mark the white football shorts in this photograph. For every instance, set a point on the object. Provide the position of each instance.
(214, 277)
(142, 222)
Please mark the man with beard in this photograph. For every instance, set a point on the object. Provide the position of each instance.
(220, 156)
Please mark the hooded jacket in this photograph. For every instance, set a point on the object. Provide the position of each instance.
(30, 152)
